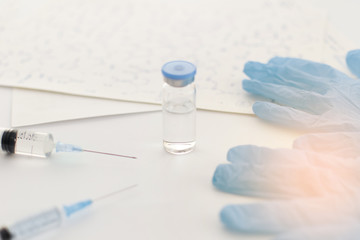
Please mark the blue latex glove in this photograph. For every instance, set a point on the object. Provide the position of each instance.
(316, 184)
(306, 94)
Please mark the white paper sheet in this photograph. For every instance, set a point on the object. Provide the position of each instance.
(335, 49)
(34, 107)
(115, 49)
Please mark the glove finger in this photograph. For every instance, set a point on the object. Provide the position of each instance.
(263, 172)
(256, 70)
(298, 68)
(276, 181)
(341, 144)
(297, 98)
(295, 72)
(328, 232)
(266, 158)
(282, 216)
(255, 155)
(353, 61)
(290, 117)
(298, 80)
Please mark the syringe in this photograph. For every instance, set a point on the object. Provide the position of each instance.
(38, 144)
(49, 219)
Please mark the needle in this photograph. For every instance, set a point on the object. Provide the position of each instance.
(64, 147)
(113, 193)
(105, 153)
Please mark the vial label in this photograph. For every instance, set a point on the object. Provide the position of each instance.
(26, 135)
(179, 121)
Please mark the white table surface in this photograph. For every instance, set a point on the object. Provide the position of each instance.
(174, 198)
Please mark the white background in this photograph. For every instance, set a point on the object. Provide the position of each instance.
(174, 198)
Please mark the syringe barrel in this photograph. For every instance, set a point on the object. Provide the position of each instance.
(26, 142)
(37, 224)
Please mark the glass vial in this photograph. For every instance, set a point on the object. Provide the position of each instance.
(179, 107)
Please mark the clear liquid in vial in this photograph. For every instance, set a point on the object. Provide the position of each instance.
(179, 133)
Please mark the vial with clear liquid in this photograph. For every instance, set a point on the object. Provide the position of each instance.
(179, 107)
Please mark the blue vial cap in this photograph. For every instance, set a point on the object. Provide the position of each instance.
(179, 70)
